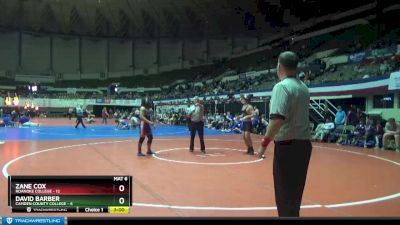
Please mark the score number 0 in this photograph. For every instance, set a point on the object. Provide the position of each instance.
(121, 200)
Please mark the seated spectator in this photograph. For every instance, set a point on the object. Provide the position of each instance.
(361, 115)
(392, 129)
(262, 127)
(370, 133)
(227, 122)
(134, 122)
(236, 126)
(219, 119)
(14, 116)
(335, 135)
(170, 119)
(378, 133)
(255, 122)
(323, 129)
(357, 136)
(340, 117)
(384, 68)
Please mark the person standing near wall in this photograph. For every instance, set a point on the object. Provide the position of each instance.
(340, 118)
(104, 115)
(70, 111)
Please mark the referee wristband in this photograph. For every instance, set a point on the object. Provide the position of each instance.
(265, 142)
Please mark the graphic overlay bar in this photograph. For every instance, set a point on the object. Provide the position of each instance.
(85, 194)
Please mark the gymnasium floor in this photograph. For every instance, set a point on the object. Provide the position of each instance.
(342, 181)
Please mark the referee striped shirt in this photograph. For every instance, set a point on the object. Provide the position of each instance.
(290, 102)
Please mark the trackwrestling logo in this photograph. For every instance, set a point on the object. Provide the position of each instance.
(33, 220)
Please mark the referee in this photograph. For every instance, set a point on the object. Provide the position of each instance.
(79, 117)
(197, 124)
(289, 128)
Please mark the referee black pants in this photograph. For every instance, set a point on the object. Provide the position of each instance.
(79, 120)
(290, 167)
(199, 128)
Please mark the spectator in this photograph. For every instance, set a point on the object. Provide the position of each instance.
(361, 115)
(358, 134)
(340, 118)
(307, 80)
(323, 129)
(370, 133)
(302, 76)
(104, 115)
(262, 127)
(110, 113)
(378, 133)
(327, 114)
(134, 121)
(352, 116)
(392, 129)
(384, 68)
(137, 112)
(227, 122)
(256, 112)
(237, 125)
(69, 113)
(219, 118)
(14, 116)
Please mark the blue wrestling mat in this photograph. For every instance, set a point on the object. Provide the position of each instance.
(70, 132)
